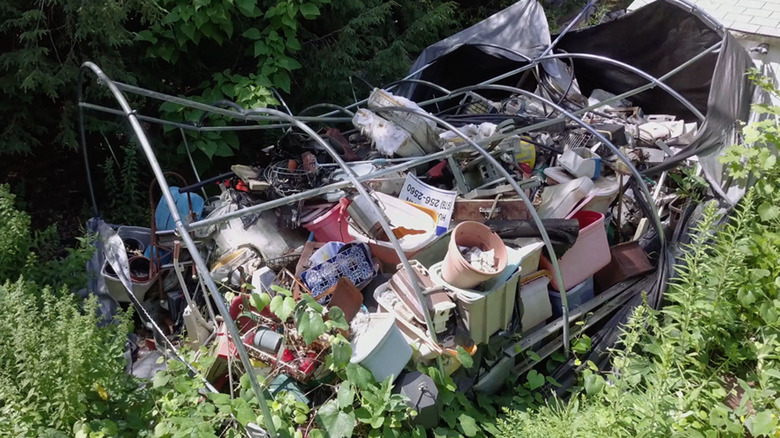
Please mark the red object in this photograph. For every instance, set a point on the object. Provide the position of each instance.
(307, 365)
(437, 171)
(150, 344)
(287, 356)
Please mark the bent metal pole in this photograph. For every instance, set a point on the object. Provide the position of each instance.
(184, 235)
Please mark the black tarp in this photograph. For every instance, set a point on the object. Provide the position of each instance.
(655, 38)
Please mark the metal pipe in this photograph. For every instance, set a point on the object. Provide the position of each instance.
(571, 24)
(197, 259)
(83, 141)
(324, 189)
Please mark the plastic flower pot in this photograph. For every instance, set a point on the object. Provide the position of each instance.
(456, 270)
(331, 226)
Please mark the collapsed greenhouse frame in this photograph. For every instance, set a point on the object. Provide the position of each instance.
(605, 304)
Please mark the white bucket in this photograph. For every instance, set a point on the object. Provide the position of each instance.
(381, 347)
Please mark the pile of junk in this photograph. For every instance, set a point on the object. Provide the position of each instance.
(514, 184)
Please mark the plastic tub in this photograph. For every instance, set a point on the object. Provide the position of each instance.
(575, 296)
(535, 300)
(401, 214)
(484, 312)
(331, 226)
(117, 290)
(381, 347)
(588, 254)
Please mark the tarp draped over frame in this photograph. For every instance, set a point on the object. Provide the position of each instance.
(655, 38)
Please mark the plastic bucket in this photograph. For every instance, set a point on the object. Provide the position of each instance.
(575, 296)
(459, 272)
(331, 226)
(381, 348)
(587, 256)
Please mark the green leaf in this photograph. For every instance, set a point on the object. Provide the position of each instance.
(363, 415)
(763, 423)
(282, 306)
(288, 64)
(464, 357)
(768, 211)
(337, 318)
(252, 33)
(581, 345)
(311, 326)
(468, 425)
(160, 379)
(293, 44)
(261, 49)
(281, 79)
(346, 395)
(337, 424)
(146, 35)
(360, 376)
(594, 383)
(260, 301)
(309, 11)
(535, 380)
(243, 412)
(534, 356)
(341, 352)
(316, 433)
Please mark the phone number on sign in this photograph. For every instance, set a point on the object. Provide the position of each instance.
(425, 199)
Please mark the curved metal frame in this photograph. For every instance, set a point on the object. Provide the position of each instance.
(275, 116)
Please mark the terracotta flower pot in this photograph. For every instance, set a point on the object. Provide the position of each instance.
(456, 270)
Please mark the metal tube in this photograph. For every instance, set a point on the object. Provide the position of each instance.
(571, 24)
(197, 259)
(324, 189)
(117, 112)
(83, 141)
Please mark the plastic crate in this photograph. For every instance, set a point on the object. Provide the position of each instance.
(484, 312)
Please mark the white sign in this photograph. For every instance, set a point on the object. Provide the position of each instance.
(441, 201)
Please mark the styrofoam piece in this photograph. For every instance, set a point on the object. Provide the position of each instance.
(485, 313)
(559, 200)
(536, 301)
(388, 137)
(588, 254)
(117, 290)
(581, 162)
(381, 348)
(401, 214)
(422, 130)
(577, 295)
(600, 197)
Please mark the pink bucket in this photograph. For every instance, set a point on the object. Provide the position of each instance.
(331, 226)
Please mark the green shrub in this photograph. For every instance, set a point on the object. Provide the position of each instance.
(15, 238)
(59, 371)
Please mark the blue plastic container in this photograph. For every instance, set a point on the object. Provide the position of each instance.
(577, 295)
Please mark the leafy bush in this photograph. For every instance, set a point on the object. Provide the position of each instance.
(59, 372)
(15, 238)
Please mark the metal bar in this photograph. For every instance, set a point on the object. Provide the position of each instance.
(117, 112)
(197, 259)
(83, 141)
(324, 189)
(192, 162)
